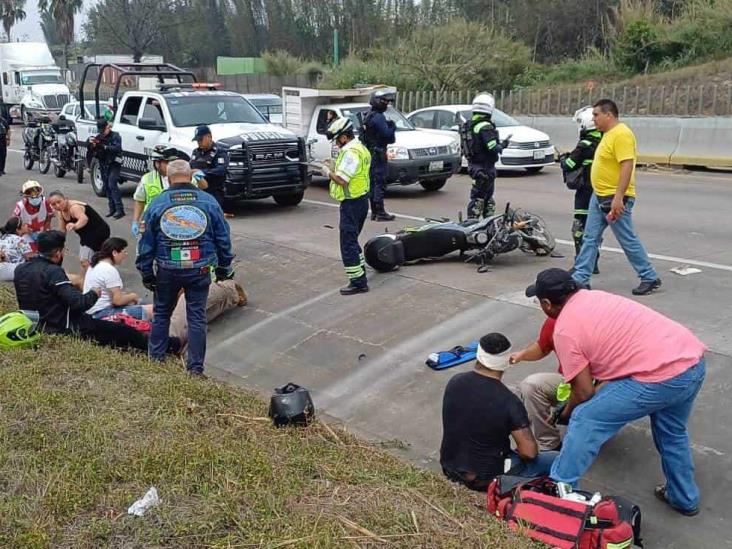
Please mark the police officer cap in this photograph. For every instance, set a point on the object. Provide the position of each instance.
(50, 241)
(201, 131)
(102, 123)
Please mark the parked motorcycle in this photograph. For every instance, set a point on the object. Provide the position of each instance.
(477, 240)
(37, 136)
(64, 151)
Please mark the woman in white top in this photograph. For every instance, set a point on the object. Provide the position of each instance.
(14, 247)
(103, 274)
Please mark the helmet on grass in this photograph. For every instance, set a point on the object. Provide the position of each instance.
(18, 330)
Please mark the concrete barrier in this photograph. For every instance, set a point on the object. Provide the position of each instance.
(661, 140)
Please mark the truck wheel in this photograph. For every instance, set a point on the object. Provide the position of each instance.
(290, 199)
(433, 184)
(95, 174)
(58, 171)
(79, 171)
(44, 160)
(28, 160)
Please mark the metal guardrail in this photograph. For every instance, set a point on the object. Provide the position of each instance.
(678, 100)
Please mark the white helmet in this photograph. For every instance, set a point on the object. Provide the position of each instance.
(484, 103)
(584, 119)
(338, 127)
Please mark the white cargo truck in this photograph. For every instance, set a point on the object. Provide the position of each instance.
(416, 156)
(31, 84)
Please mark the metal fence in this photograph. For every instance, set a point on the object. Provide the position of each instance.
(684, 100)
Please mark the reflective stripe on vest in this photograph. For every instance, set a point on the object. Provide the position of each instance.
(359, 183)
(153, 185)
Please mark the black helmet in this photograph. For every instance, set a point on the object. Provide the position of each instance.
(291, 405)
(380, 99)
(384, 253)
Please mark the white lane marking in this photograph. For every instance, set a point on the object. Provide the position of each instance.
(659, 257)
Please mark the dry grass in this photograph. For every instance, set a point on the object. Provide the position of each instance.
(85, 431)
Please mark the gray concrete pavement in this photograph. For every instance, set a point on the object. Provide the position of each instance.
(363, 356)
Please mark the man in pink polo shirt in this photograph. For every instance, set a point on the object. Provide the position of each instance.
(624, 361)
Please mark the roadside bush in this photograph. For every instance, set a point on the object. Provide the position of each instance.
(593, 66)
(281, 63)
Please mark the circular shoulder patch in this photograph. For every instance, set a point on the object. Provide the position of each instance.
(184, 222)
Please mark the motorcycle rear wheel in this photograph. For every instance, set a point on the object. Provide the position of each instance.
(536, 238)
(79, 171)
(58, 171)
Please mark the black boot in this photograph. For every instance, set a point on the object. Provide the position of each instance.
(353, 289)
(382, 216)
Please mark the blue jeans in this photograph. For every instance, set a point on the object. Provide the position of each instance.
(668, 404)
(537, 467)
(194, 283)
(627, 238)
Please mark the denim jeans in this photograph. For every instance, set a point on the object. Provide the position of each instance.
(668, 404)
(537, 467)
(624, 231)
(194, 283)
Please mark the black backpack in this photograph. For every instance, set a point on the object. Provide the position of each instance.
(291, 405)
(466, 139)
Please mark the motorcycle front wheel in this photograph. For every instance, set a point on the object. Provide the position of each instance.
(58, 171)
(79, 171)
(28, 160)
(44, 160)
(536, 237)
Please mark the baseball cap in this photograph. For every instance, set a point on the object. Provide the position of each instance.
(552, 283)
(102, 123)
(201, 130)
(49, 241)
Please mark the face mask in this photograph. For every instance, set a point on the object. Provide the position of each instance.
(35, 201)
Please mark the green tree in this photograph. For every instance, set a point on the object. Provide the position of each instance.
(63, 14)
(11, 11)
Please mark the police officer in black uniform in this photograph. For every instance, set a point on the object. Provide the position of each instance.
(106, 146)
(483, 149)
(210, 162)
(576, 167)
(379, 133)
(4, 141)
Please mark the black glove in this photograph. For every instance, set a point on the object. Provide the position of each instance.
(224, 273)
(555, 416)
(391, 124)
(150, 281)
(504, 143)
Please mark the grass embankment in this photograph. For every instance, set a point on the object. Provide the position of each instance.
(86, 431)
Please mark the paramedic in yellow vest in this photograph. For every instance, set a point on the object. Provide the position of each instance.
(153, 182)
(349, 185)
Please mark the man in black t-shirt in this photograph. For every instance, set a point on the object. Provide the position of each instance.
(479, 416)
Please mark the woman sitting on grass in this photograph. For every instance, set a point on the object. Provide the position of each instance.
(14, 247)
(103, 274)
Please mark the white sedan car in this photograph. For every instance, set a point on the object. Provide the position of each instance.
(528, 148)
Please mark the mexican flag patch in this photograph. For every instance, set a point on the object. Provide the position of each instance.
(185, 254)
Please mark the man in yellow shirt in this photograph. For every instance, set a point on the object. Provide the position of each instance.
(613, 185)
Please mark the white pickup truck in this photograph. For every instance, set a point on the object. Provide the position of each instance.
(264, 160)
(415, 157)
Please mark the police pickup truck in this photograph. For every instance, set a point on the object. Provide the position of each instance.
(264, 160)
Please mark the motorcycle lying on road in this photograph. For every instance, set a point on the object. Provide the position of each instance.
(64, 150)
(477, 240)
(37, 136)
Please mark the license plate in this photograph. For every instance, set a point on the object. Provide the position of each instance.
(437, 166)
(539, 155)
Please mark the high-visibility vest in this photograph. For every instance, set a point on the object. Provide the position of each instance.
(152, 182)
(359, 183)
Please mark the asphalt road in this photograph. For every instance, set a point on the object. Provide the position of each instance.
(363, 356)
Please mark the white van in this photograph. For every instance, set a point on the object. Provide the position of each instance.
(415, 157)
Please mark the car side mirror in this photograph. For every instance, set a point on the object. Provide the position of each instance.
(150, 124)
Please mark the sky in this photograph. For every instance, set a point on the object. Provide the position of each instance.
(29, 30)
